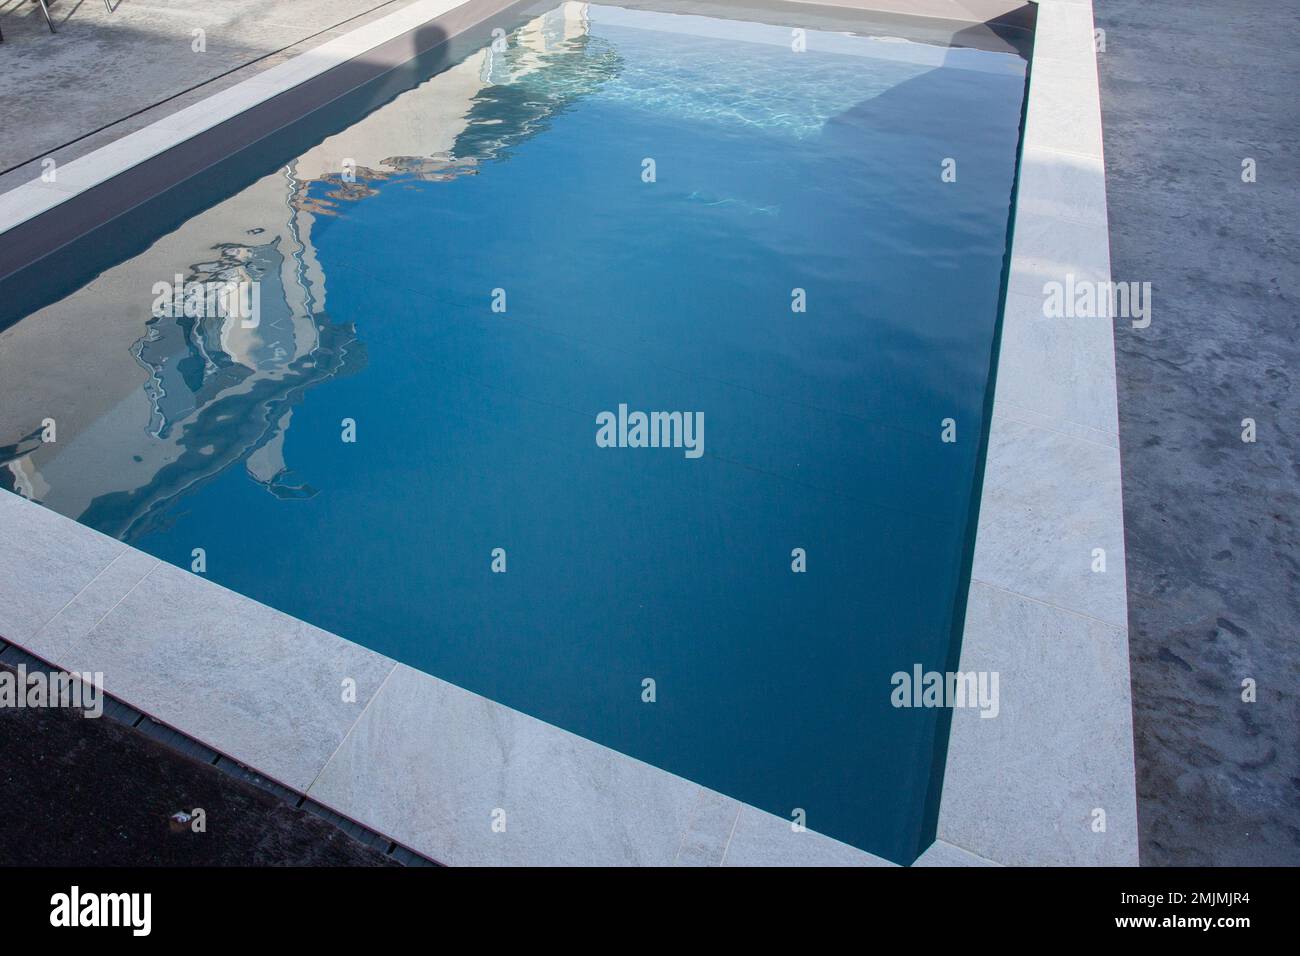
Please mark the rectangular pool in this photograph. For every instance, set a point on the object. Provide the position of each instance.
(630, 368)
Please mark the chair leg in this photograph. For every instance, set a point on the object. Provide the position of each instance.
(108, 6)
(46, 10)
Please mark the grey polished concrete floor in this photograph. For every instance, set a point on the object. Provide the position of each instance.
(1188, 91)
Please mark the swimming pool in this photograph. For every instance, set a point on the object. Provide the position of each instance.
(615, 211)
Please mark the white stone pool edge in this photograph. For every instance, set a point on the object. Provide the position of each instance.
(1051, 779)
(429, 764)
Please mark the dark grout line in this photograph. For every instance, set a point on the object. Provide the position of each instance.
(178, 741)
(121, 713)
(355, 830)
(235, 769)
(14, 655)
(410, 858)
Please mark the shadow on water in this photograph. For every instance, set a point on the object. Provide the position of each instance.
(1012, 34)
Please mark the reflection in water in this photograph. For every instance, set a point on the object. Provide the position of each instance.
(188, 358)
(217, 393)
(529, 86)
(525, 86)
(784, 172)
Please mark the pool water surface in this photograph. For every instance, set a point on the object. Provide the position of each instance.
(426, 438)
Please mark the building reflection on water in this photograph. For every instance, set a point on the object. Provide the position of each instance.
(214, 393)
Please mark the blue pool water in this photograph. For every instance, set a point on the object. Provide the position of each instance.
(524, 170)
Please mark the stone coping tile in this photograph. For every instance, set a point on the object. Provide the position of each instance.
(945, 854)
(1064, 107)
(1051, 780)
(468, 781)
(762, 839)
(1061, 186)
(1060, 748)
(259, 686)
(45, 563)
(1050, 500)
(1065, 370)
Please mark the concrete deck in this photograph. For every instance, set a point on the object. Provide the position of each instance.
(107, 74)
(1188, 92)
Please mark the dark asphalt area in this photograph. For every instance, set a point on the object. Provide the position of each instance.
(94, 792)
(1188, 92)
